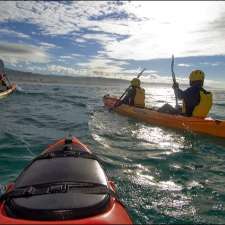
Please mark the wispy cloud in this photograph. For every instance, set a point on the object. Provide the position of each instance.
(212, 64)
(69, 71)
(13, 33)
(77, 55)
(101, 38)
(80, 40)
(66, 57)
(48, 45)
(184, 65)
(103, 64)
(61, 70)
(15, 53)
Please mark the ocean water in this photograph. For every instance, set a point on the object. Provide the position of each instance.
(162, 175)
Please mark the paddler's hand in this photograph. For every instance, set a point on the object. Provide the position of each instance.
(118, 103)
(175, 85)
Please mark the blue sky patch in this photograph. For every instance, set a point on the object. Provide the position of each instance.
(115, 38)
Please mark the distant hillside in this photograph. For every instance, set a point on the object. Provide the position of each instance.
(29, 77)
(20, 76)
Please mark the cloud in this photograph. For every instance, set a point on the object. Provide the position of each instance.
(69, 71)
(80, 40)
(212, 64)
(56, 18)
(48, 45)
(184, 65)
(33, 68)
(14, 53)
(101, 38)
(13, 33)
(139, 70)
(62, 70)
(77, 55)
(104, 65)
(170, 31)
(66, 57)
(147, 30)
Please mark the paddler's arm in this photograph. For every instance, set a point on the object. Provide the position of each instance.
(180, 93)
(129, 96)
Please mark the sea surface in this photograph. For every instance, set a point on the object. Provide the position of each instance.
(163, 176)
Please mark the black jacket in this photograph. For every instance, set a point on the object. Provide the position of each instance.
(129, 97)
(190, 96)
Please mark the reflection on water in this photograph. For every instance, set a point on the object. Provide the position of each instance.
(157, 96)
(175, 206)
(167, 172)
(157, 137)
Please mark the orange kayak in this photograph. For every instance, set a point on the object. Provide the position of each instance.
(200, 125)
(8, 92)
(64, 185)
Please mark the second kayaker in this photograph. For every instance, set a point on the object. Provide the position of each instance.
(197, 101)
(135, 95)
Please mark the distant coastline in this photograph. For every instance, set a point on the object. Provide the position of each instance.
(16, 76)
(29, 77)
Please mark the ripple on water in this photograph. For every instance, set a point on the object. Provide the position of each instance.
(163, 176)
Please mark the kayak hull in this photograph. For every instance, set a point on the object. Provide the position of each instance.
(8, 92)
(115, 212)
(206, 125)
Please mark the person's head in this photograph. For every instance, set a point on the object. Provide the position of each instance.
(196, 77)
(135, 82)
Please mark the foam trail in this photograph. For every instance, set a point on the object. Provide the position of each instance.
(20, 89)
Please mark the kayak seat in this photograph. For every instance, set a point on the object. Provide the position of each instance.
(63, 205)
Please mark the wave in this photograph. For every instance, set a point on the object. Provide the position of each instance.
(76, 96)
(80, 104)
(32, 120)
(22, 91)
(75, 126)
(219, 104)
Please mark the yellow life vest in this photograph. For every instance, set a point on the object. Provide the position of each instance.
(205, 104)
(139, 100)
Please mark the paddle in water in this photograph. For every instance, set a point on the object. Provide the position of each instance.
(117, 102)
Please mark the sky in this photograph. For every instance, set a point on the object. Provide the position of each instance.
(114, 38)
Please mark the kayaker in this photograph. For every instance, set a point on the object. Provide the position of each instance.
(3, 84)
(197, 101)
(135, 95)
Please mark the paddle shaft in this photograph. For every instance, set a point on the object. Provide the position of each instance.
(174, 79)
